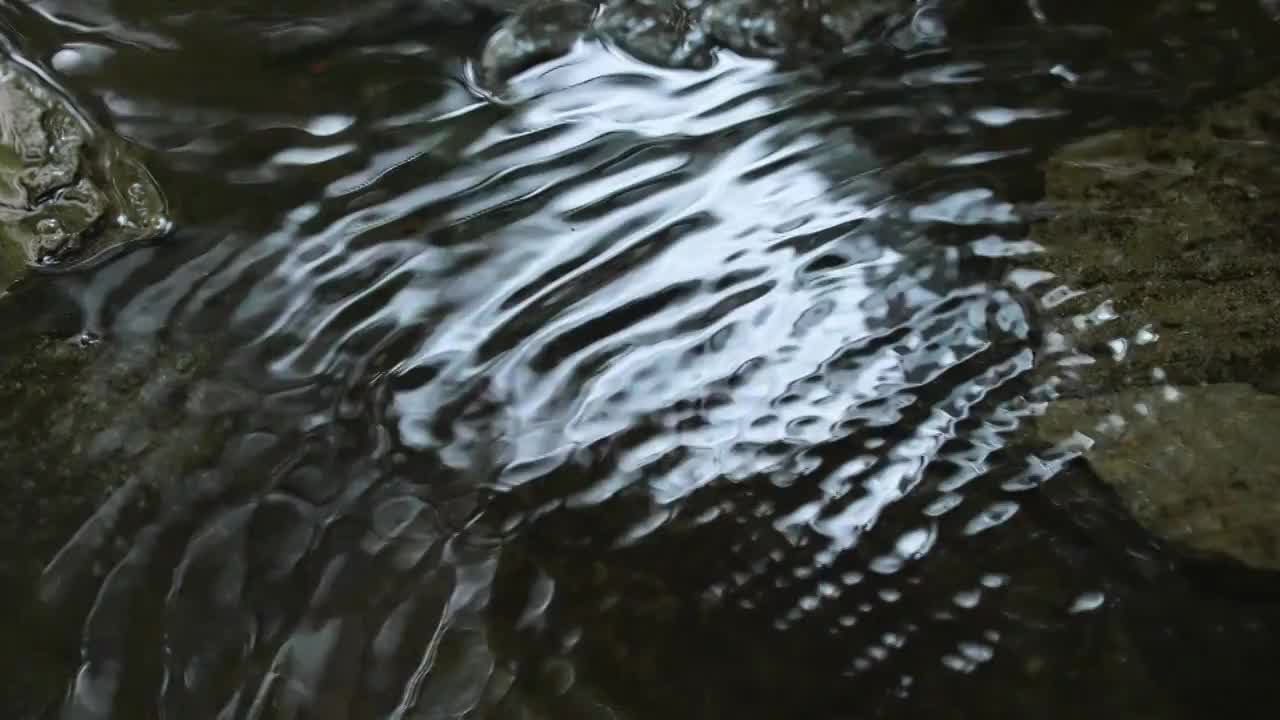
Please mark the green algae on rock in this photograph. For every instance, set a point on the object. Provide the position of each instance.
(68, 190)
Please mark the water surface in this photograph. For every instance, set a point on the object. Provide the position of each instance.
(614, 391)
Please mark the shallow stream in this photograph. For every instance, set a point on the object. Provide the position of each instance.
(606, 390)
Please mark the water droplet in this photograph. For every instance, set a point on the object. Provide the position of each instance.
(326, 125)
(49, 227)
(994, 580)
(928, 24)
(80, 58)
(1119, 348)
(886, 564)
(995, 514)
(914, 543)
(1104, 312)
(1087, 602)
(1064, 72)
(943, 504)
(977, 652)
(1058, 296)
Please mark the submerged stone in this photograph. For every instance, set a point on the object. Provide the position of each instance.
(1165, 240)
(68, 191)
(91, 436)
(1174, 225)
(1197, 466)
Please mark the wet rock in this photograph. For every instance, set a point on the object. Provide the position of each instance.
(659, 32)
(1164, 240)
(683, 33)
(1198, 466)
(539, 32)
(1176, 227)
(68, 191)
(761, 28)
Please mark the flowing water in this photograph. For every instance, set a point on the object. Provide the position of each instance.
(615, 390)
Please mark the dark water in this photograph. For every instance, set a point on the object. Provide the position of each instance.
(630, 392)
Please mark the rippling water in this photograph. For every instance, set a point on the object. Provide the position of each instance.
(618, 391)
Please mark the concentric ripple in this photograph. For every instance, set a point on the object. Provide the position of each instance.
(642, 392)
